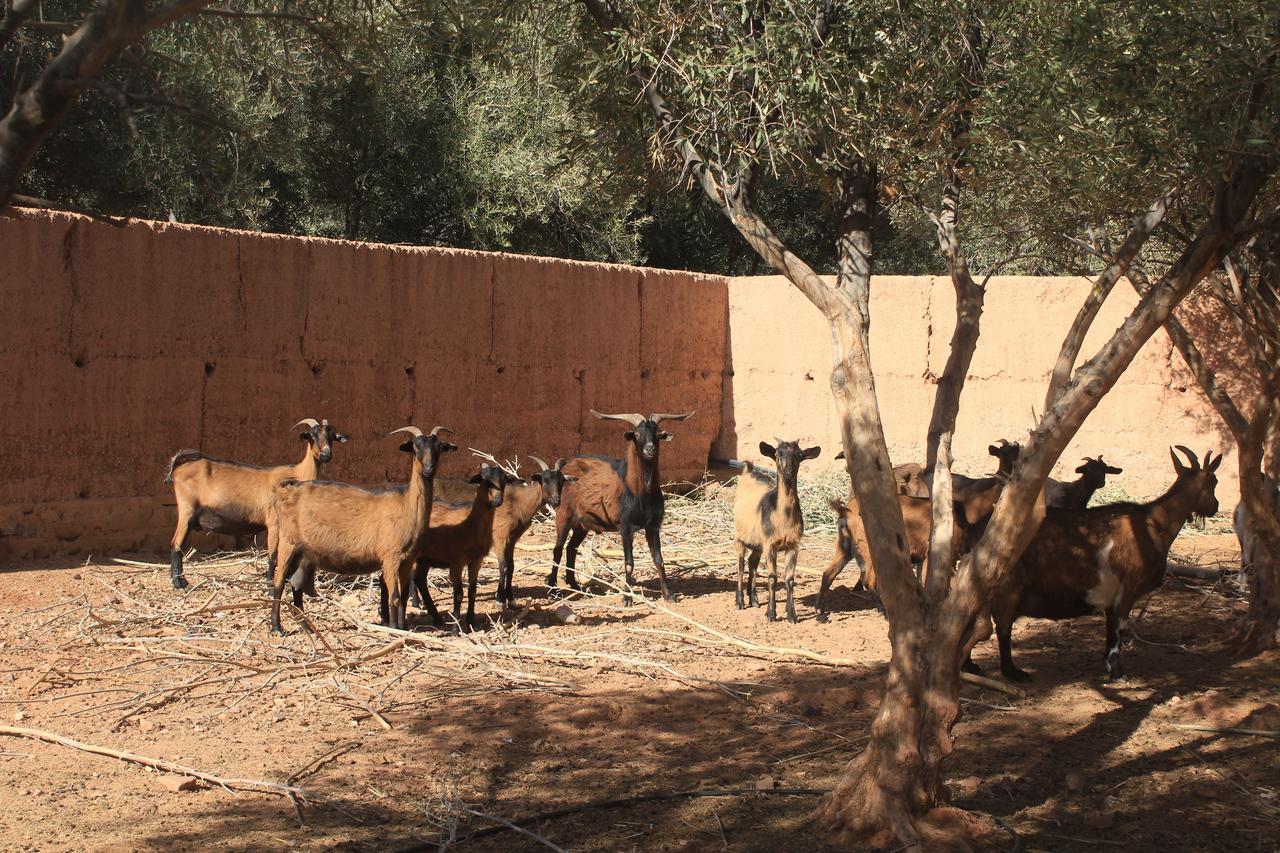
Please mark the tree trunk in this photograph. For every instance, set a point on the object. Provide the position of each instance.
(112, 26)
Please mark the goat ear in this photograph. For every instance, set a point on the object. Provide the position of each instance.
(1111, 469)
(476, 480)
(446, 447)
(993, 449)
(840, 455)
(665, 436)
(767, 449)
(811, 453)
(305, 435)
(629, 435)
(407, 446)
(570, 479)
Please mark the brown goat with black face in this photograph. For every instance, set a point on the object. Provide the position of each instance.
(616, 494)
(352, 530)
(514, 517)
(459, 537)
(914, 480)
(767, 520)
(1101, 560)
(232, 497)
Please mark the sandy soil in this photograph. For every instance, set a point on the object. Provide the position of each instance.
(402, 744)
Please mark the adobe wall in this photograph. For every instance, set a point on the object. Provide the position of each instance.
(780, 349)
(119, 346)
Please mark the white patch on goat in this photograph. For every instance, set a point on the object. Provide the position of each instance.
(1107, 591)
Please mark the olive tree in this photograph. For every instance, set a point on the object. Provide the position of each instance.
(1100, 109)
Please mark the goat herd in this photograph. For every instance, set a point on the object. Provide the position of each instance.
(1081, 560)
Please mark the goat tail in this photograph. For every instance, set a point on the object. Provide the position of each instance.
(182, 457)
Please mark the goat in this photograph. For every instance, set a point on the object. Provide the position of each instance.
(1100, 560)
(767, 519)
(616, 494)
(459, 537)
(352, 530)
(914, 480)
(514, 517)
(233, 498)
(1076, 494)
(1243, 525)
(917, 519)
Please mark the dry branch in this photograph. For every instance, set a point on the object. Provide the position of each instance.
(258, 785)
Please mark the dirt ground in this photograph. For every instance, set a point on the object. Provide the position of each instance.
(398, 742)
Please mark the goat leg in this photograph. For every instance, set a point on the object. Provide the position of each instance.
(179, 542)
(473, 574)
(571, 559)
(653, 536)
(772, 612)
(628, 560)
(563, 530)
(1004, 634)
(424, 594)
(455, 578)
(791, 586)
(742, 559)
(1111, 654)
(753, 563)
(828, 577)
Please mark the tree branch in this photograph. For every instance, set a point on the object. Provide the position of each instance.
(1138, 236)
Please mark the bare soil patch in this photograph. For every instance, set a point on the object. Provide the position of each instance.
(398, 741)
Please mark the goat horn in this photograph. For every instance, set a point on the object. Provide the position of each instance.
(441, 429)
(560, 463)
(412, 430)
(1195, 463)
(541, 464)
(309, 423)
(633, 418)
(658, 418)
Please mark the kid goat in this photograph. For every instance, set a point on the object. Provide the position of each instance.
(232, 497)
(616, 494)
(767, 519)
(1101, 560)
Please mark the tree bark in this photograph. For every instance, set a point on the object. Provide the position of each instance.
(1137, 237)
(112, 26)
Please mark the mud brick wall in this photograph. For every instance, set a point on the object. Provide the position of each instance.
(119, 346)
(778, 378)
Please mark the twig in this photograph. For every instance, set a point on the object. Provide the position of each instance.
(259, 785)
(1230, 731)
(511, 826)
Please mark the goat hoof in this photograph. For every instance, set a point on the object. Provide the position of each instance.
(791, 617)
(771, 616)
(667, 594)
(179, 582)
(971, 668)
(1017, 675)
(741, 606)
(823, 618)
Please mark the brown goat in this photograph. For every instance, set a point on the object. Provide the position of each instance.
(459, 537)
(616, 494)
(352, 530)
(233, 498)
(1100, 560)
(515, 516)
(914, 480)
(917, 518)
(767, 519)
